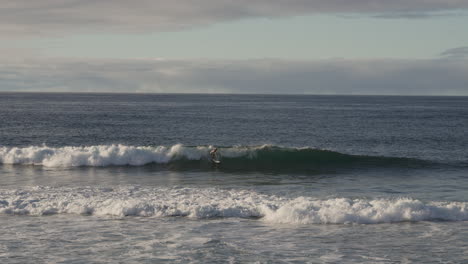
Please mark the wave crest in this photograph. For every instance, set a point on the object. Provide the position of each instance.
(264, 157)
(102, 155)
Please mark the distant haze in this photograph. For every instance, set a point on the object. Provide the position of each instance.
(379, 77)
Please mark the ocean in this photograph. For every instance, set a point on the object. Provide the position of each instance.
(127, 178)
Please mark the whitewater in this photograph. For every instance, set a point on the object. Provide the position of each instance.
(215, 203)
(103, 155)
(106, 155)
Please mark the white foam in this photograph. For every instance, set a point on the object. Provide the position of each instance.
(201, 203)
(130, 201)
(105, 155)
(305, 210)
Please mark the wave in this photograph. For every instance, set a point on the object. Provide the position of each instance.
(207, 203)
(240, 158)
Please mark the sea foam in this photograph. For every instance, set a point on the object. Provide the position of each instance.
(206, 203)
(101, 155)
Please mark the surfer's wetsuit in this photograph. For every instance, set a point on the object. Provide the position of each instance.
(213, 153)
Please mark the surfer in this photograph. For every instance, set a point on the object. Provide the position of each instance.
(213, 154)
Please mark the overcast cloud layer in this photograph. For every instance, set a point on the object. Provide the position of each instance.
(61, 16)
(460, 52)
(379, 77)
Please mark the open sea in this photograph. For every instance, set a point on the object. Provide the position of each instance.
(127, 178)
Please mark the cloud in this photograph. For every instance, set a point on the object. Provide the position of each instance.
(270, 76)
(460, 52)
(61, 16)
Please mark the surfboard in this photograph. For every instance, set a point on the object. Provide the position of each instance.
(214, 157)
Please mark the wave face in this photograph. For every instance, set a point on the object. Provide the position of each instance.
(199, 203)
(264, 157)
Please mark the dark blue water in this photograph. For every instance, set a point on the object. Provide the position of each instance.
(302, 178)
(420, 127)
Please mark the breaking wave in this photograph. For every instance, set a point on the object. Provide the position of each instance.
(178, 156)
(207, 203)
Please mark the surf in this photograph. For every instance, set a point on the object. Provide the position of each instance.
(240, 158)
(210, 203)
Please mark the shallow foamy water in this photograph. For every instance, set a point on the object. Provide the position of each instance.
(182, 240)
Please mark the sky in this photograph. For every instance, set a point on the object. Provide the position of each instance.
(375, 47)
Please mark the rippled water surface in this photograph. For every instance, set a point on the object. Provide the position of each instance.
(106, 178)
